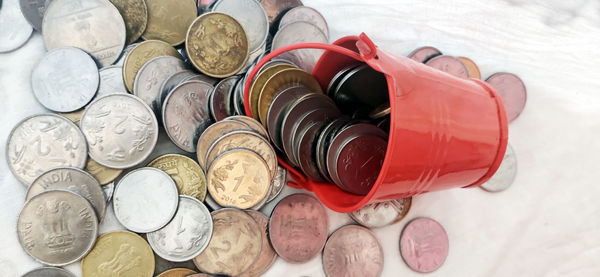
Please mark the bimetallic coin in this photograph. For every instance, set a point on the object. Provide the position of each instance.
(423, 54)
(238, 178)
(472, 68)
(267, 255)
(95, 26)
(135, 15)
(111, 81)
(49, 272)
(65, 79)
(259, 83)
(217, 45)
(119, 253)
(251, 16)
(450, 65)
(103, 174)
(142, 53)
(147, 81)
(274, 7)
(57, 227)
(185, 114)
(506, 173)
(299, 32)
(253, 123)
(381, 214)
(278, 183)
(512, 91)
(235, 244)
(120, 129)
(212, 133)
(72, 179)
(168, 20)
(145, 200)
(298, 228)
(33, 11)
(356, 242)
(177, 272)
(15, 30)
(188, 233)
(305, 14)
(424, 245)
(186, 173)
(41, 142)
(219, 99)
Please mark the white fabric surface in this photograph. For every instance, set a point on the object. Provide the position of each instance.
(546, 224)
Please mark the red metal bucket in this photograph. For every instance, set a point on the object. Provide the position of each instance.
(445, 132)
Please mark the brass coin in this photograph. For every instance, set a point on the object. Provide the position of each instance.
(380, 111)
(217, 45)
(212, 133)
(168, 20)
(119, 253)
(238, 178)
(103, 174)
(142, 53)
(259, 83)
(253, 123)
(135, 14)
(177, 272)
(283, 79)
(187, 174)
(75, 116)
(472, 68)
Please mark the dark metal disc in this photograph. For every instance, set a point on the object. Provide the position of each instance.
(322, 143)
(218, 102)
(305, 150)
(275, 114)
(362, 86)
(319, 115)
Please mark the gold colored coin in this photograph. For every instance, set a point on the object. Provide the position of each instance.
(135, 15)
(187, 174)
(212, 133)
(381, 111)
(281, 80)
(259, 83)
(75, 116)
(168, 20)
(238, 178)
(142, 53)
(217, 45)
(177, 272)
(472, 68)
(119, 253)
(103, 174)
(253, 123)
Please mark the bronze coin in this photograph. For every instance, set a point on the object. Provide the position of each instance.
(450, 65)
(142, 53)
(352, 250)
(253, 123)
(212, 133)
(423, 54)
(176, 272)
(472, 68)
(267, 255)
(275, 114)
(259, 83)
(319, 115)
(135, 15)
(168, 20)
(304, 151)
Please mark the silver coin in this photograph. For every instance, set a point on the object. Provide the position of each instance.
(120, 129)
(14, 29)
(306, 14)
(201, 77)
(111, 81)
(49, 272)
(124, 53)
(65, 79)
(41, 142)
(57, 227)
(299, 32)
(187, 235)
(381, 214)
(506, 173)
(72, 179)
(278, 183)
(147, 81)
(253, 58)
(170, 83)
(251, 16)
(34, 10)
(95, 26)
(145, 200)
(185, 114)
(218, 102)
(352, 251)
(108, 189)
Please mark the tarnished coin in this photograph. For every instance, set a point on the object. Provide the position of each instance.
(33, 11)
(111, 81)
(212, 133)
(177, 272)
(239, 178)
(267, 255)
(298, 228)
(145, 200)
(274, 7)
(95, 26)
(512, 91)
(305, 14)
(253, 123)
(506, 173)
(72, 179)
(472, 68)
(217, 45)
(65, 79)
(57, 227)
(235, 244)
(49, 272)
(381, 214)
(252, 17)
(278, 183)
(352, 250)
(15, 30)
(298, 32)
(186, 173)
(142, 53)
(147, 81)
(168, 20)
(450, 65)
(185, 114)
(218, 101)
(119, 253)
(188, 233)
(259, 83)
(41, 142)
(424, 245)
(422, 54)
(135, 15)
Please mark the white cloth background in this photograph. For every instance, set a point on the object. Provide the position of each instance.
(546, 224)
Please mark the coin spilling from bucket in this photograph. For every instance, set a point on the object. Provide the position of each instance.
(128, 79)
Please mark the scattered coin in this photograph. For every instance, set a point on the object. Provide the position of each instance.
(65, 79)
(274, 7)
(135, 15)
(33, 11)
(472, 68)
(57, 227)
(506, 173)
(145, 200)
(512, 91)
(252, 17)
(168, 20)
(15, 30)
(119, 253)
(381, 214)
(267, 255)
(95, 26)
(424, 245)
(187, 235)
(278, 183)
(120, 129)
(298, 228)
(177, 272)
(450, 65)
(103, 174)
(353, 250)
(423, 54)
(305, 14)
(298, 32)
(186, 173)
(111, 81)
(148, 79)
(235, 244)
(212, 133)
(49, 272)
(41, 142)
(142, 53)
